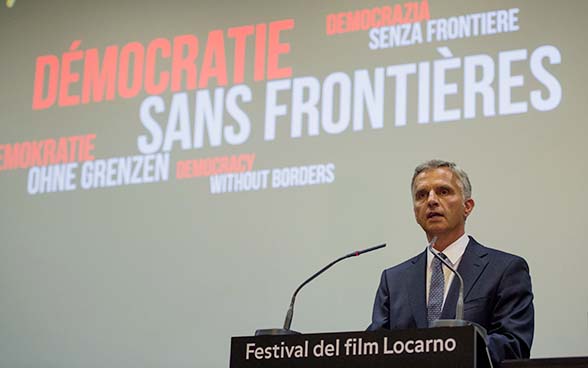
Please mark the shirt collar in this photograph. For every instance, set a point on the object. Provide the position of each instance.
(453, 252)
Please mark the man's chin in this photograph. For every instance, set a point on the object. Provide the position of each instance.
(435, 229)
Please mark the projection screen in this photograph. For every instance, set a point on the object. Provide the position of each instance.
(172, 171)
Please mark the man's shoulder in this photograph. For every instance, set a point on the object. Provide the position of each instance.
(404, 266)
(493, 253)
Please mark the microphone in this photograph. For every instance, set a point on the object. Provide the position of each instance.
(288, 321)
(459, 305)
(458, 321)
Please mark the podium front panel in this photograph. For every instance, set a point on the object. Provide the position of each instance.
(433, 347)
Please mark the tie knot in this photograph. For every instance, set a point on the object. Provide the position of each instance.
(438, 261)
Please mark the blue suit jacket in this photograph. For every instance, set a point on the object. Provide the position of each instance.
(497, 292)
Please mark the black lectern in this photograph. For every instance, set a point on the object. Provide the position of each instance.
(450, 347)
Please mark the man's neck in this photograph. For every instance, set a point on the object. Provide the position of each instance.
(445, 240)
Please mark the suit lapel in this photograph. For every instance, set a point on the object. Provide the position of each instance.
(471, 266)
(417, 289)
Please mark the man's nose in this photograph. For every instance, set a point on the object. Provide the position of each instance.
(432, 199)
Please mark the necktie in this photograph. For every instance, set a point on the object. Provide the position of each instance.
(436, 290)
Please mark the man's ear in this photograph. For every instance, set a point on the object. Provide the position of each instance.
(468, 207)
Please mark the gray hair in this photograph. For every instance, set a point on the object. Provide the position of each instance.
(462, 177)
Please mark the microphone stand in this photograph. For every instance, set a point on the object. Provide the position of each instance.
(288, 321)
(458, 321)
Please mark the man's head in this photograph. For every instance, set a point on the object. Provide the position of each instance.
(441, 196)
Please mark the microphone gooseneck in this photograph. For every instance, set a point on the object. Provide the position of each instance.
(459, 304)
(289, 315)
(458, 321)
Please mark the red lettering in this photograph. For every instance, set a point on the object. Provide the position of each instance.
(24, 155)
(40, 100)
(68, 76)
(355, 21)
(331, 24)
(61, 154)
(240, 35)
(214, 64)
(99, 81)
(347, 23)
(386, 16)
(136, 52)
(409, 10)
(11, 156)
(397, 17)
(135, 67)
(181, 170)
(214, 165)
(275, 49)
(49, 154)
(377, 17)
(424, 11)
(73, 146)
(152, 87)
(184, 63)
(341, 20)
(260, 41)
(199, 168)
(36, 154)
(87, 148)
(364, 19)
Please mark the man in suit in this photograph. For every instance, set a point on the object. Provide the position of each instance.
(497, 285)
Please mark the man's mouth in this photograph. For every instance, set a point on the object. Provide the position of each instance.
(433, 214)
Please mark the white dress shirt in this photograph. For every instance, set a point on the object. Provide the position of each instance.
(454, 252)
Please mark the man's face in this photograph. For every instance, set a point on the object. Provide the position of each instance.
(439, 205)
